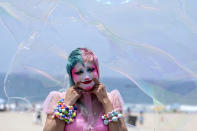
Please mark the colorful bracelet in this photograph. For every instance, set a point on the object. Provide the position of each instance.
(111, 116)
(65, 113)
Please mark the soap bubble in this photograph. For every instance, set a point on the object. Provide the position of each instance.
(148, 45)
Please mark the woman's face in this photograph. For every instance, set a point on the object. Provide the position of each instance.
(85, 75)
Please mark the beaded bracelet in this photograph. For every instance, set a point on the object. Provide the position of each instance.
(65, 113)
(111, 116)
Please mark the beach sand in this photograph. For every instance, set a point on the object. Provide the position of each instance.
(18, 121)
(23, 121)
(167, 122)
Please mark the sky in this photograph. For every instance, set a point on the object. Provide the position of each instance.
(152, 39)
(169, 26)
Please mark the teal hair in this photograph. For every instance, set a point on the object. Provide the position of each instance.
(74, 57)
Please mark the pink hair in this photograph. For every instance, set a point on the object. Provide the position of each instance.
(89, 56)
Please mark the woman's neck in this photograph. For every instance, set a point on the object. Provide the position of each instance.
(87, 100)
(91, 102)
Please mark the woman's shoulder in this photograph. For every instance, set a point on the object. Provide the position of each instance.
(56, 94)
(116, 99)
(51, 101)
(114, 94)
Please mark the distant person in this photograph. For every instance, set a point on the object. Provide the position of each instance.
(38, 117)
(17, 108)
(86, 105)
(141, 118)
(33, 108)
(130, 118)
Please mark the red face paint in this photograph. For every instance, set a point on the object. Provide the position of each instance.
(85, 74)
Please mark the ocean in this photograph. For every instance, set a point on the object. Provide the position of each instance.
(34, 90)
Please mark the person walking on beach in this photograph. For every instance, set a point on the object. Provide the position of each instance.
(86, 105)
(141, 118)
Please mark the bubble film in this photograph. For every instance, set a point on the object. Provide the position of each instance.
(152, 44)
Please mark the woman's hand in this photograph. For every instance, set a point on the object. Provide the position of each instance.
(72, 95)
(100, 91)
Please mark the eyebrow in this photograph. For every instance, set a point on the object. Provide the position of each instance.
(80, 69)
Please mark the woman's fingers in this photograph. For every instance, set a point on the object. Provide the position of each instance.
(77, 89)
(75, 94)
(96, 85)
(77, 85)
(96, 81)
(95, 89)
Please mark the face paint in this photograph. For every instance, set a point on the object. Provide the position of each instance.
(85, 75)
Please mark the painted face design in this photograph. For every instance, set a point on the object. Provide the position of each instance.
(85, 75)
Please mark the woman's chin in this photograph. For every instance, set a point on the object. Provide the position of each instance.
(89, 88)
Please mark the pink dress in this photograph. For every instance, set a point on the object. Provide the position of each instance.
(91, 121)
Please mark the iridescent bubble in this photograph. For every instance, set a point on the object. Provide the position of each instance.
(151, 44)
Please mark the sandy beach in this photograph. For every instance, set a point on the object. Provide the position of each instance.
(23, 121)
(167, 122)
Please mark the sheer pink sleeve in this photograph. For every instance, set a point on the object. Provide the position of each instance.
(116, 100)
(51, 101)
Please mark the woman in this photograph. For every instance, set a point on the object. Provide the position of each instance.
(86, 101)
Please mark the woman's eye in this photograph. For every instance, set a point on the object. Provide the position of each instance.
(90, 69)
(79, 72)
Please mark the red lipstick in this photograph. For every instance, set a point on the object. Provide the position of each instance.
(87, 82)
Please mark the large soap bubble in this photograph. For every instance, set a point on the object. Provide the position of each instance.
(152, 44)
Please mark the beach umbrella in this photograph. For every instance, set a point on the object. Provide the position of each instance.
(158, 108)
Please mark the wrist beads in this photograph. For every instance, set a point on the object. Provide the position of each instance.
(65, 113)
(113, 116)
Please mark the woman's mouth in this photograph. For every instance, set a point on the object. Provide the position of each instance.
(87, 82)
